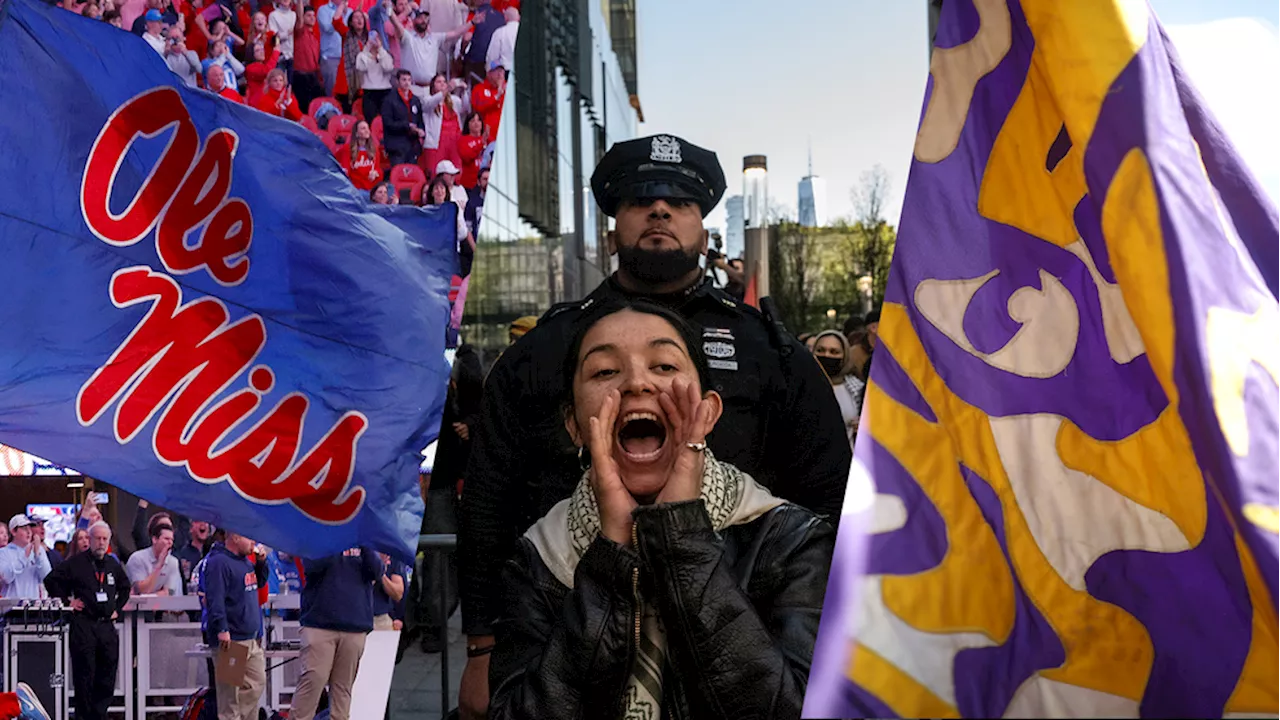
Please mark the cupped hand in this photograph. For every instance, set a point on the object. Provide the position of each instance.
(612, 497)
(691, 418)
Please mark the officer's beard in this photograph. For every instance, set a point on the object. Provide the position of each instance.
(98, 554)
(657, 267)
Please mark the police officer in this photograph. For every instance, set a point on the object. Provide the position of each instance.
(98, 588)
(781, 422)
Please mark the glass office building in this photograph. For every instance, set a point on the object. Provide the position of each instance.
(571, 96)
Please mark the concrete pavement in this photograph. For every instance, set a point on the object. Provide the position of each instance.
(415, 687)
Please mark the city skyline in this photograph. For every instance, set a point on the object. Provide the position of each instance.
(853, 86)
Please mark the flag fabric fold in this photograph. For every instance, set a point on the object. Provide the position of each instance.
(1072, 419)
(201, 309)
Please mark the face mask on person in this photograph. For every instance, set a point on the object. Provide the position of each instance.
(657, 267)
(831, 365)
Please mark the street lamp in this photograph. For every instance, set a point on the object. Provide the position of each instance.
(831, 316)
(864, 287)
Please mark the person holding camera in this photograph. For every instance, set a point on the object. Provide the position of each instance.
(735, 284)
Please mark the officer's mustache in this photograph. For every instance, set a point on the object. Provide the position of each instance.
(657, 266)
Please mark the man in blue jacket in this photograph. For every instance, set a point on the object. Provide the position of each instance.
(232, 616)
(337, 614)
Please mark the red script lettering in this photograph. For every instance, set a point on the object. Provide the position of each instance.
(181, 357)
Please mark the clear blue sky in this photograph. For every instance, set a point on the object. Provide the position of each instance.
(750, 76)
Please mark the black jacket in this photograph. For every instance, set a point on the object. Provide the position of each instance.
(781, 425)
(397, 137)
(740, 609)
(78, 577)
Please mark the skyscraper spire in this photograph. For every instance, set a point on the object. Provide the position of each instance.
(810, 156)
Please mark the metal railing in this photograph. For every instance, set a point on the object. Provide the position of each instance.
(443, 543)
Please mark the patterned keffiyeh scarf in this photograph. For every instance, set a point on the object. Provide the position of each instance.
(722, 488)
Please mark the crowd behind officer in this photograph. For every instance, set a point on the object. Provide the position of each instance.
(97, 588)
(781, 423)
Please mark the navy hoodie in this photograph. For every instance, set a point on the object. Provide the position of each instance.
(338, 591)
(230, 595)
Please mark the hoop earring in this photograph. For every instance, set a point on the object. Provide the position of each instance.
(584, 458)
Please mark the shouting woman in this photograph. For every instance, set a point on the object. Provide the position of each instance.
(669, 584)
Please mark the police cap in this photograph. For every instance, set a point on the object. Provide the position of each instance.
(660, 167)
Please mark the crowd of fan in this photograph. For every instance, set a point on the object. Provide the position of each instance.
(408, 96)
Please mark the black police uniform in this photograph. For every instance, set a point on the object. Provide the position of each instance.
(781, 422)
(103, 587)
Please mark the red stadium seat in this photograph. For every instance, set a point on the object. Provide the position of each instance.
(341, 127)
(375, 128)
(408, 177)
(330, 143)
(309, 123)
(315, 105)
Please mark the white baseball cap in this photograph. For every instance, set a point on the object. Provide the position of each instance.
(447, 167)
(20, 520)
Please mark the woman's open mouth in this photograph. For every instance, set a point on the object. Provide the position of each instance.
(641, 436)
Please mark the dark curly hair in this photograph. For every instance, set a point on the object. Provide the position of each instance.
(689, 335)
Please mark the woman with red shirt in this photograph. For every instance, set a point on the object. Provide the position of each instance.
(471, 147)
(278, 100)
(199, 14)
(258, 34)
(255, 73)
(443, 126)
(355, 33)
(361, 160)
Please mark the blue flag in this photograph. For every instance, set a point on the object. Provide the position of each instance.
(200, 308)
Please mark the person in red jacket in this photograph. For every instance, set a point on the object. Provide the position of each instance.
(258, 33)
(361, 158)
(216, 81)
(475, 137)
(355, 34)
(261, 62)
(278, 100)
(487, 97)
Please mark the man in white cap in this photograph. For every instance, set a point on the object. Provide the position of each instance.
(23, 562)
(447, 171)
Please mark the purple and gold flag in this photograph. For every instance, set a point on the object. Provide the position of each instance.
(1072, 421)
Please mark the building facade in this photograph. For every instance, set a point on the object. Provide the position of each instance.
(812, 203)
(572, 94)
(734, 242)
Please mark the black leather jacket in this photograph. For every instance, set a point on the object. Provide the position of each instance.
(781, 425)
(740, 609)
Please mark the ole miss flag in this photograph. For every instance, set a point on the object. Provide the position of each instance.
(199, 308)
